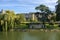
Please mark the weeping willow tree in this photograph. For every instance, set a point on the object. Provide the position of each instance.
(10, 18)
(3, 21)
(7, 19)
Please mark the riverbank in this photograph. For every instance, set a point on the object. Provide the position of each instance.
(36, 30)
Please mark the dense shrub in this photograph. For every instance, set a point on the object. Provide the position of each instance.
(49, 26)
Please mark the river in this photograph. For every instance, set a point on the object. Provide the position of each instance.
(29, 35)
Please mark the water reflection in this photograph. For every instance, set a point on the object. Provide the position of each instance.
(29, 35)
(12, 36)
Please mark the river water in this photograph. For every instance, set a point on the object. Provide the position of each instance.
(29, 35)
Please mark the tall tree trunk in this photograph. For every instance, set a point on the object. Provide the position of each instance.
(3, 26)
(0, 22)
(12, 24)
(6, 25)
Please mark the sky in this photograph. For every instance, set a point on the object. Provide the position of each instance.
(25, 6)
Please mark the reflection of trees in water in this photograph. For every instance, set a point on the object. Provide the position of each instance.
(45, 35)
(12, 35)
(30, 36)
(58, 36)
(38, 35)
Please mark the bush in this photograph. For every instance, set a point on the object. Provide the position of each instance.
(55, 26)
(23, 26)
(49, 26)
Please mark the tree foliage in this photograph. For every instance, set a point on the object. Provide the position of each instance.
(58, 11)
(43, 8)
(9, 20)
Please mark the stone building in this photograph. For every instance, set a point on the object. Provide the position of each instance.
(2, 11)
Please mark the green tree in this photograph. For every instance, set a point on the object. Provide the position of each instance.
(58, 1)
(19, 20)
(5, 21)
(58, 11)
(43, 8)
(22, 18)
(10, 18)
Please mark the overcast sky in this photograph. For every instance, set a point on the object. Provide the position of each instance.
(21, 6)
